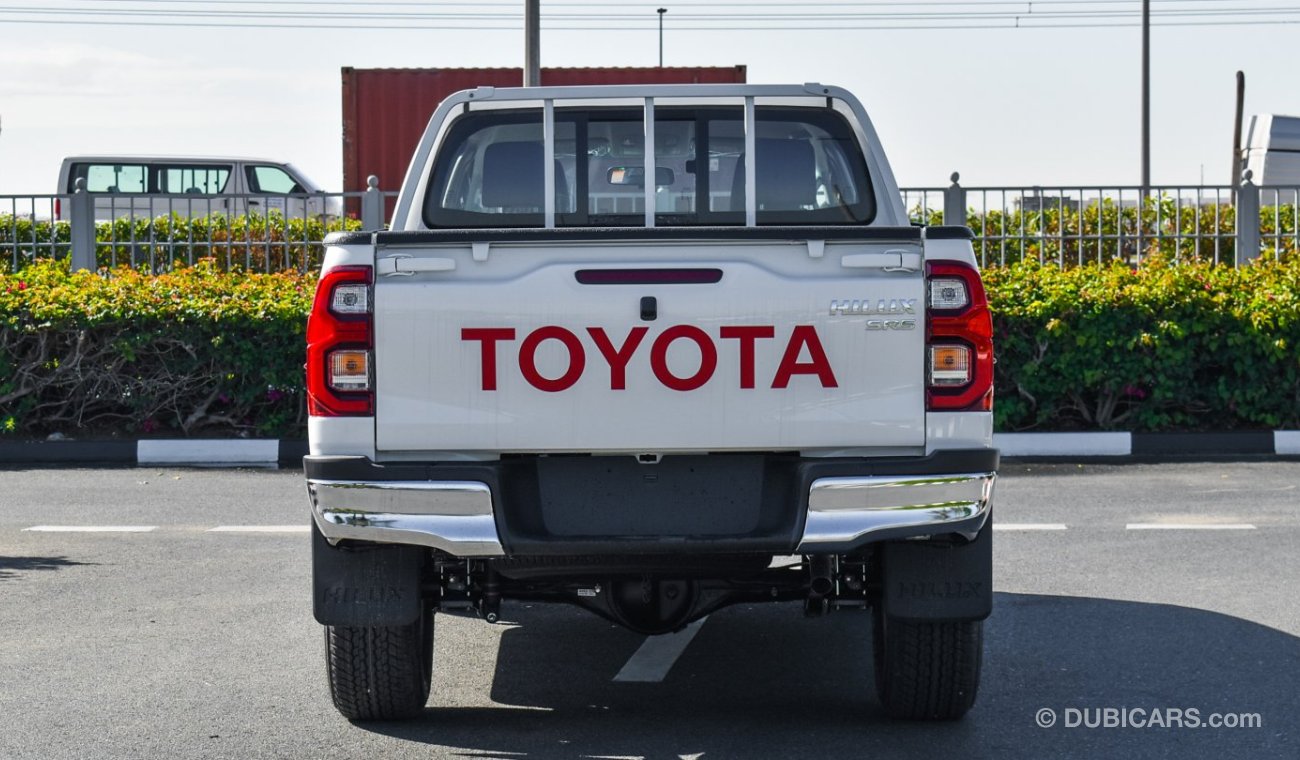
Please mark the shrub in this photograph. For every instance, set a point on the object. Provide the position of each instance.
(187, 352)
(198, 351)
(1162, 347)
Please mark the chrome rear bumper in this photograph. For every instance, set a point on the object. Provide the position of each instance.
(843, 510)
(465, 517)
(455, 517)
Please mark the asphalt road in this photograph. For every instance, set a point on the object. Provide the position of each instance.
(183, 642)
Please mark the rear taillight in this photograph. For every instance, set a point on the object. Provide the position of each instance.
(959, 340)
(340, 343)
(58, 208)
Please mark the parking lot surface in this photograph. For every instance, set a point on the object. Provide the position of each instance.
(166, 613)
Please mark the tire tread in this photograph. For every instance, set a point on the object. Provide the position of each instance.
(928, 671)
(377, 673)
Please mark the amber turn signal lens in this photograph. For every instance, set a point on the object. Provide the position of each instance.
(949, 365)
(350, 370)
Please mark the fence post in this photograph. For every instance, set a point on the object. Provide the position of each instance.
(954, 203)
(372, 205)
(82, 228)
(1247, 218)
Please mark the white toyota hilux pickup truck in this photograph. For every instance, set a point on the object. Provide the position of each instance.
(652, 351)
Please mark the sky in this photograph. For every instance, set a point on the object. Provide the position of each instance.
(1037, 105)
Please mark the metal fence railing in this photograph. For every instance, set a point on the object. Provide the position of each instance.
(261, 232)
(1075, 225)
(1062, 225)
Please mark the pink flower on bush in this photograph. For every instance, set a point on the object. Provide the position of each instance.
(274, 394)
(1133, 391)
(22, 285)
(149, 425)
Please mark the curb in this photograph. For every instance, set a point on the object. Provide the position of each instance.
(1146, 446)
(238, 452)
(216, 452)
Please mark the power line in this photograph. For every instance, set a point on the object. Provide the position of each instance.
(685, 8)
(1019, 23)
(704, 16)
(730, 20)
(289, 8)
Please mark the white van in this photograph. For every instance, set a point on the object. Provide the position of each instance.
(1272, 154)
(151, 186)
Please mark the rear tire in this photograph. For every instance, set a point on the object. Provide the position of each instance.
(380, 673)
(926, 671)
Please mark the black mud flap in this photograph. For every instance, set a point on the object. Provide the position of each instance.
(928, 581)
(365, 585)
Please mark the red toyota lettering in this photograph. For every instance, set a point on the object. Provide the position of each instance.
(818, 364)
(617, 357)
(528, 359)
(748, 335)
(803, 340)
(659, 357)
(488, 337)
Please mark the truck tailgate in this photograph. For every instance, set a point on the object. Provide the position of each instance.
(644, 346)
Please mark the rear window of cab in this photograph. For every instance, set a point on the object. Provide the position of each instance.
(490, 171)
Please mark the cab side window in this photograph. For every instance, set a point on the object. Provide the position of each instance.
(110, 178)
(205, 180)
(271, 179)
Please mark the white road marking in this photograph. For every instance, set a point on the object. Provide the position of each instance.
(260, 529)
(657, 654)
(92, 528)
(1028, 526)
(1190, 526)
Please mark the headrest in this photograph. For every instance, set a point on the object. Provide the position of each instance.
(512, 175)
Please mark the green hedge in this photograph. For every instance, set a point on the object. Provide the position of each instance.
(204, 353)
(192, 352)
(1163, 347)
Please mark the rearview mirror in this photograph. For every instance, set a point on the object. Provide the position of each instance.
(635, 175)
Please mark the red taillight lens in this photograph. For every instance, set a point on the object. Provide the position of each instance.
(959, 337)
(340, 339)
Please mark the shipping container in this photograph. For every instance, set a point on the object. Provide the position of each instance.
(385, 111)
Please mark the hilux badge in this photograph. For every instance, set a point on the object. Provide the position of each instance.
(891, 306)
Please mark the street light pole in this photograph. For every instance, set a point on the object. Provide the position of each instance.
(661, 13)
(1146, 97)
(532, 43)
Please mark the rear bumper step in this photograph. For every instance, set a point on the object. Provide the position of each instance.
(718, 503)
(843, 510)
(454, 516)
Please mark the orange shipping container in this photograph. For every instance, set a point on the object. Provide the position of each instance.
(385, 111)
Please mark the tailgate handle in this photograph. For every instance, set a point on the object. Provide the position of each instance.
(890, 261)
(402, 265)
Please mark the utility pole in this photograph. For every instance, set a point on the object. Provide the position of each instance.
(1146, 97)
(661, 13)
(1236, 130)
(532, 43)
